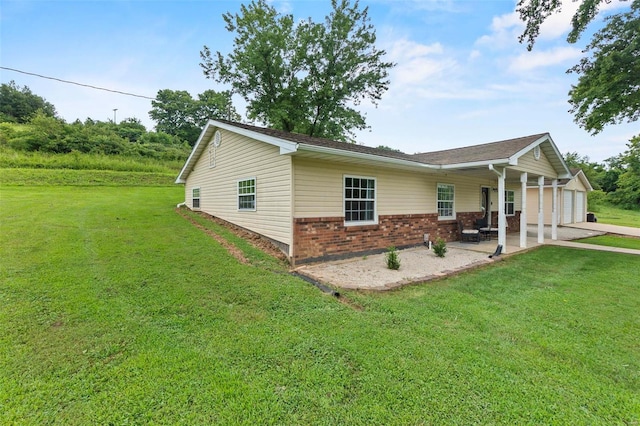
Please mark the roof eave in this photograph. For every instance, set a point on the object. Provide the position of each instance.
(483, 163)
(364, 156)
(286, 147)
(564, 173)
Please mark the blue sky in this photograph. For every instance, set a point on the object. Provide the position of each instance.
(462, 77)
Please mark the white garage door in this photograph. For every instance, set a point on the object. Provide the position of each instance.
(580, 206)
(567, 207)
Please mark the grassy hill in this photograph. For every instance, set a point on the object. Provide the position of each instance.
(75, 168)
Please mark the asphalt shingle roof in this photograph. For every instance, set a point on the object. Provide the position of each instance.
(326, 143)
(484, 152)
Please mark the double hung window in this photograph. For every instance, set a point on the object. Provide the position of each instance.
(195, 198)
(446, 201)
(247, 194)
(359, 200)
(509, 203)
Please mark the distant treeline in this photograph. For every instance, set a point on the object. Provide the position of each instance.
(29, 123)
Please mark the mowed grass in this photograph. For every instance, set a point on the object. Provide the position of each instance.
(613, 215)
(612, 241)
(117, 310)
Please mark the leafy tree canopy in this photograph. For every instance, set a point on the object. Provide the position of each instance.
(627, 193)
(302, 77)
(177, 113)
(608, 88)
(20, 104)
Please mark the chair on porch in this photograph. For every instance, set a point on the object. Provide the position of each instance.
(468, 235)
(485, 231)
(483, 227)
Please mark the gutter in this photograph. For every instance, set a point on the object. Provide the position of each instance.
(363, 156)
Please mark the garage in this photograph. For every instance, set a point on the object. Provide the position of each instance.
(580, 211)
(571, 201)
(567, 206)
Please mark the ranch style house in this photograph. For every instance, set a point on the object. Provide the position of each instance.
(320, 199)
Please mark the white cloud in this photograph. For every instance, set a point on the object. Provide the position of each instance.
(418, 63)
(504, 31)
(539, 59)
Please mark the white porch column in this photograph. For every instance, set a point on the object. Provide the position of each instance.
(554, 210)
(541, 210)
(523, 210)
(502, 218)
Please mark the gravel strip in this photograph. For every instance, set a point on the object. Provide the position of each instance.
(371, 272)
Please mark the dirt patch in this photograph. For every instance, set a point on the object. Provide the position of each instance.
(254, 239)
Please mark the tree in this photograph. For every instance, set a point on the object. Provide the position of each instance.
(302, 77)
(593, 171)
(212, 104)
(20, 104)
(608, 89)
(130, 128)
(179, 114)
(627, 194)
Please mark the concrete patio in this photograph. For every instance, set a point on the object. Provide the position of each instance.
(419, 264)
(513, 239)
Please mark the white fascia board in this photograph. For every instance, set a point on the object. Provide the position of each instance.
(286, 147)
(545, 186)
(585, 180)
(195, 153)
(485, 163)
(513, 160)
(362, 156)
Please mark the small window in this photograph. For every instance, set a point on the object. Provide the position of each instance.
(509, 203)
(359, 200)
(446, 202)
(247, 194)
(195, 198)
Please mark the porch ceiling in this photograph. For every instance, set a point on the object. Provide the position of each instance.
(512, 176)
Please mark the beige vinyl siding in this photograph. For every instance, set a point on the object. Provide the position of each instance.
(239, 158)
(576, 184)
(542, 166)
(532, 205)
(318, 190)
(468, 192)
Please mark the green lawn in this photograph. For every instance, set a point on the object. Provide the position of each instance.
(612, 241)
(114, 309)
(615, 216)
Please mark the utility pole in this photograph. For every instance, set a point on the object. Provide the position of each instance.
(114, 115)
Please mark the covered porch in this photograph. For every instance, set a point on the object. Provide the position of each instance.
(510, 167)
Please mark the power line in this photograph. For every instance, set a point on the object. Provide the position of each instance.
(77, 84)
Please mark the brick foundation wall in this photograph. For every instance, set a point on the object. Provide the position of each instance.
(326, 238)
(513, 222)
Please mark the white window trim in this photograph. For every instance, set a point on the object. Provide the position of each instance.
(453, 217)
(509, 202)
(375, 202)
(255, 194)
(199, 198)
